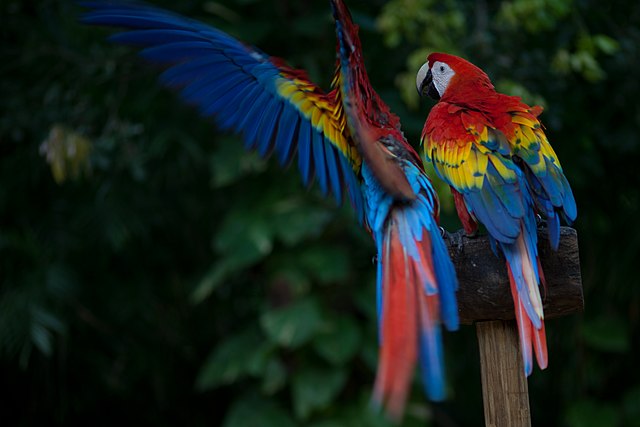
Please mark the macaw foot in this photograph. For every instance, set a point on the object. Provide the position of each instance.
(471, 235)
(456, 239)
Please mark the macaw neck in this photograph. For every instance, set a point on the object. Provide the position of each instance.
(470, 92)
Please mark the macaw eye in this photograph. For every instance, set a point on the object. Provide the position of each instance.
(442, 68)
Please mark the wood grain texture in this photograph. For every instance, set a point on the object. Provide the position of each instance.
(484, 286)
(504, 386)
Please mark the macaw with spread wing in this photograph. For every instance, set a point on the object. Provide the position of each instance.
(492, 151)
(348, 140)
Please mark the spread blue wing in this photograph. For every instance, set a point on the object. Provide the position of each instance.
(274, 107)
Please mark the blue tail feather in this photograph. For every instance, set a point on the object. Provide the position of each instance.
(432, 363)
(447, 281)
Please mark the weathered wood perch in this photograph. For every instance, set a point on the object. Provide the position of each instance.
(484, 286)
(484, 297)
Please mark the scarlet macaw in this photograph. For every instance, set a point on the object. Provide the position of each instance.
(349, 140)
(492, 151)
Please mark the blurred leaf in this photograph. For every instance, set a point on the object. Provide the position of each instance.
(607, 334)
(427, 22)
(230, 161)
(311, 25)
(631, 406)
(328, 423)
(534, 15)
(339, 340)
(41, 338)
(590, 413)
(253, 411)
(274, 377)
(315, 389)
(242, 354)
(218, 273)
(325, 264)
(361, 413)
(293, 221)
(244, 236)
(606, 44)
(293, 325)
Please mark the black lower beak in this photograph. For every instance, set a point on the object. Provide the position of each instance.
(428, 88)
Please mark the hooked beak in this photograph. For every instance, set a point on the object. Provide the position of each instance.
(426, 86)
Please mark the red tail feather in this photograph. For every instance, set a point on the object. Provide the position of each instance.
(398, 348)
(540, 346)
(407, 310)
(529, 335)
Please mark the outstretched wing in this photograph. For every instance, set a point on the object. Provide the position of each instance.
(375, 128)
(275, 107)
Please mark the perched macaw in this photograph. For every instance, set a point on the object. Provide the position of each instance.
(349, 140)
(492, 151)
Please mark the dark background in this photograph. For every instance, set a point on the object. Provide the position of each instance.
(152, 272)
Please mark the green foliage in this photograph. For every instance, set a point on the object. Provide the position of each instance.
(533, 15)
(152, 270)
(586, 413)
(253, 411)
(607, 333)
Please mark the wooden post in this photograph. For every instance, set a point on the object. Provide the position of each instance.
(504, 385)
(485, 298)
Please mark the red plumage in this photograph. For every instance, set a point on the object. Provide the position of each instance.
(407, 311)
(491, 149)
(416, 280)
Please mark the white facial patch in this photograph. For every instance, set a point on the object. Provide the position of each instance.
(441, 74)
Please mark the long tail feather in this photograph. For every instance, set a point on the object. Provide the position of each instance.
(540, 346)
(410, 325)
(525, 290)
(524, 326)
(398, 348)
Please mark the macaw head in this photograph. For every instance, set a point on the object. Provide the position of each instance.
(444, 74)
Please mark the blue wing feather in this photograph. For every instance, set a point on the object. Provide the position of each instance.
(253, 122)
(196, 70)
(288, 129)
(319, 160)
(304, 152)
(334, 171)
(497, 205)
(236, 84)
(170, 53)
(267, 131)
